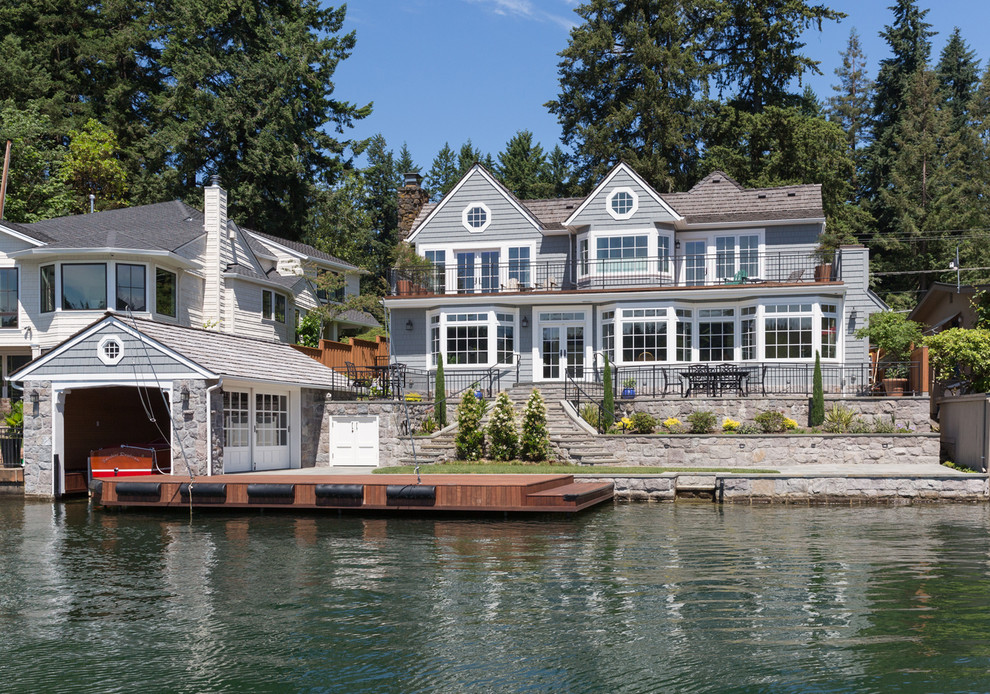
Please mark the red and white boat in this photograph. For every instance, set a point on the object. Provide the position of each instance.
(128, 461)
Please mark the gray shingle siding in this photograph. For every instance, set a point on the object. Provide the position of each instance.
(139, 359)
(409, 346)
(596, 215)
(793, 235)
(855, 275)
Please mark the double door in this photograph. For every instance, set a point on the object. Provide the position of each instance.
(256, 430)
(562, 351)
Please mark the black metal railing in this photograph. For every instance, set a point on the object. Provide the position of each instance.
(588, 394)
(725, 268)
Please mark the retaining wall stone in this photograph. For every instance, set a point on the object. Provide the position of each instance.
(38, 439)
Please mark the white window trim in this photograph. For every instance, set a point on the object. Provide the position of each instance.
(614, 192)
(464, 217)
(682, 238)
(594, 261)
(589, 343)
(491, 321)
(153, 291)
(450, 252)
(110, 361)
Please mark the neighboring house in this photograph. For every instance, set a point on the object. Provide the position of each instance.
(719, 273)
(166, 262)
(946, 305)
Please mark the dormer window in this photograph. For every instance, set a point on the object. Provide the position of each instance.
(622, 203)
(476, 217)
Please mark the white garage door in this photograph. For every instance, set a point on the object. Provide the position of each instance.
(354, 441)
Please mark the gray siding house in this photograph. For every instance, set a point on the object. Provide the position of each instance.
(548, 288)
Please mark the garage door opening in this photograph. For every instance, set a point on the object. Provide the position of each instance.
(97, 418)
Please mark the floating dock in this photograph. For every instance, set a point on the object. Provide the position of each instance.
(462, 493)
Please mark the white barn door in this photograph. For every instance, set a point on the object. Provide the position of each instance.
(354, 441)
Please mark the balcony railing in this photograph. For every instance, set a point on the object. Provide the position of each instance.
(740, 268)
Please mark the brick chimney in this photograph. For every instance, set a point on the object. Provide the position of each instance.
(412, 197)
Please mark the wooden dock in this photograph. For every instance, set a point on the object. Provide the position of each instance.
(462, 493)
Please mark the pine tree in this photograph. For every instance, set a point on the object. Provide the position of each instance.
(557, 175)
(467, 157)
(850, 107)
(35, 191)
(404, 164)
(381, 203)
(958, 73)
(535, 442)
(503, 439)
(440, 394)
(470, 439)
(522, 167)
(630, 80)
(817, 415)
(443, 173)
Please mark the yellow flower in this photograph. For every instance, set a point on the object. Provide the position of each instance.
(671, 422)
(729, 424)
(625, 422)
(790, 423)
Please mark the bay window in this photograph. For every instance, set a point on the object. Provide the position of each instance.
(608, 335)
(830, 331)
(84, 286)
(617, 254)
(747, 332)
(645, 337)
(716, 334)
(272, 306)
(684, 330)
(467, 338)
(787, 331)
(131, 287)
(8, 297)
(505, 349)
(47, 288)
(165, 299)
(476, 339)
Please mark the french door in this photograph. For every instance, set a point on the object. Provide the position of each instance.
(256, 430)
(562, 351)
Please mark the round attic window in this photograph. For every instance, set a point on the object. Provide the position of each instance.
(476, 217)
(110, 350)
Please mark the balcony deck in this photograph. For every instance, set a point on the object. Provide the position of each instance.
(664, 273)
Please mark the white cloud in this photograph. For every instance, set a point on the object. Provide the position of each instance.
(524, 9)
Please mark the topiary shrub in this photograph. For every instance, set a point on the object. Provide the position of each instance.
(535, 442)
(643, 423)
(771, 422)
(470, 439)
(608, 399)
(702, 421)
(440, 395)
(817, 415)
(503, 439)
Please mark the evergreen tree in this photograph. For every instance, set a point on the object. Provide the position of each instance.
(440, 395)
(404, 164)
(535, 442)
(443, 174)
(522, 167)
(339, 222)
(958, 73)
(757, 44)
(630, 80)
(557, 175)
(467, 157)
(470, 439)
(381, 203)
(817, 415)
(35, 191)
(503, 439)
(850, 107)
(608, 398)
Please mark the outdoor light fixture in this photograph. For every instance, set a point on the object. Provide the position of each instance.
(525, 322)
(409, 325)
(34, 402)
(677, 244)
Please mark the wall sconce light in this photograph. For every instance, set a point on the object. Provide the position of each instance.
(524, 322)
(677, 245)
(184, 396)
(409, 325)
(34, 402)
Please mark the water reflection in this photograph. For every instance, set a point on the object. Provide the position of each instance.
(632, 598)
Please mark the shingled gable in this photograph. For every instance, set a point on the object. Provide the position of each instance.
(209, 354)
(621, 169)
(476, 170)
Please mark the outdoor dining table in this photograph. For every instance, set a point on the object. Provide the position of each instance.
(714, 379)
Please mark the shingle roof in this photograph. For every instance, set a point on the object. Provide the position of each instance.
(234, 356)
(715, 198)
(288, 281)
(301, 248)
(162, 226)
(358, 318)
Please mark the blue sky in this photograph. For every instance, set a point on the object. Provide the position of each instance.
(448, 70)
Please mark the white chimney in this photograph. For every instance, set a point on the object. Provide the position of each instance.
(217, 249)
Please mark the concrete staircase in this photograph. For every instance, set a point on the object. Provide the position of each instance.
(571, 442)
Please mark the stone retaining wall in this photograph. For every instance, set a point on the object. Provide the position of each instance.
(911, 412)
(318, 408)
(793, 489)
(768, 451)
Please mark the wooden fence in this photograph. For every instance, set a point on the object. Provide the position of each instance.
(362, 353)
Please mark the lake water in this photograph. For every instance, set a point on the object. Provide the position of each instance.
(631, 598)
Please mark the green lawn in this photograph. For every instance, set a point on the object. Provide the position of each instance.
(462, 468)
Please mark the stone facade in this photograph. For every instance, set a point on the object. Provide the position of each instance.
(912, 412)
(189, 441)
(412, 197)
(318, 408)
(38, 466)
(758, 451)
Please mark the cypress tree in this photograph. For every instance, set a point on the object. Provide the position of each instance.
(440, 395)
(470, 439)
(817, 394)
(608, 400)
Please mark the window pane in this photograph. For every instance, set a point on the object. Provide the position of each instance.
(644, 341)
(8, 297)
(165, 292)
(280, 308)
(266, 304)
(130, 288)
(47, 288)
(467, 344)
(84, 287)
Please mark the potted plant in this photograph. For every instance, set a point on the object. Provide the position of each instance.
(824, 256)
(10, 440)
(894, 336)
(478, 393)
(629, 388)
(413, 271)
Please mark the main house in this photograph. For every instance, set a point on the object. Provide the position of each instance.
(165, 326)
(719, 273)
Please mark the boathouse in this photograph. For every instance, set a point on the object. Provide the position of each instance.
(219, 403)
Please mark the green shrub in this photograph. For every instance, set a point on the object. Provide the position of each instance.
(535, 443)
(885, 426)
(702, 422)
(960, 353)
(749, 429)
(428, 426)
(817, 394)
(643, 423)
(591, 414)
(771, 422)
(440, 395)
(15, 419)
(608, 400)
(503, 439)
(470, 439)
(673, 425)
(839, 419)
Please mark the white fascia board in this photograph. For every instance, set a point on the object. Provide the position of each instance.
(477, 168)
(342, 266)
(261, 281)
(240, 380)
(755, 223)
(126, 377)
(22, 237)
(69, 254)
(622, 166)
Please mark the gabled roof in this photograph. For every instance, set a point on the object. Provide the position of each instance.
(215, 353)
(621, 167)
(299, 248)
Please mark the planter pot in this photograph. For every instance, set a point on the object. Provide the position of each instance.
(409, 288)
(823, 273)
(479, 394)
(628, 393)
(895, 387)
(10, 450)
